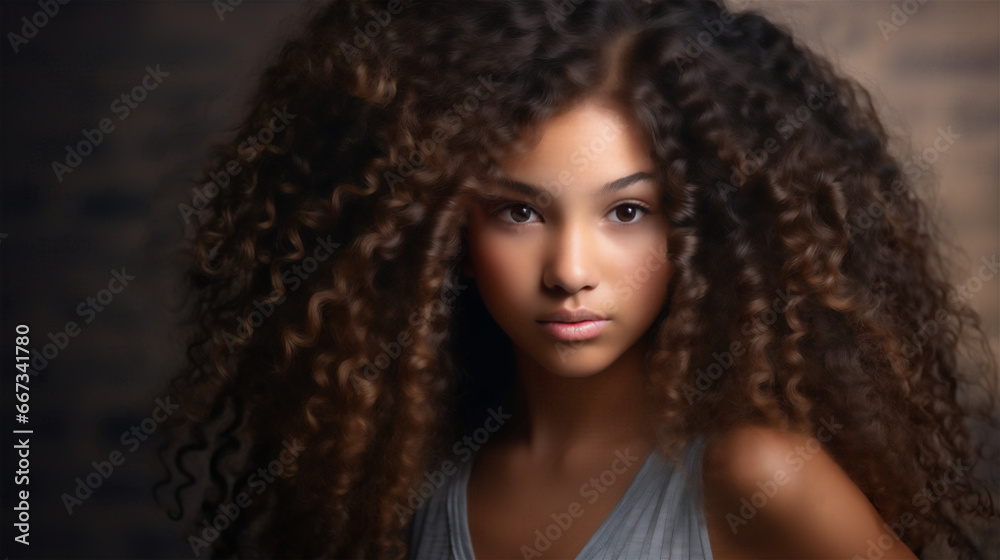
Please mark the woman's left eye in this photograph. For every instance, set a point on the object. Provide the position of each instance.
(629, 212)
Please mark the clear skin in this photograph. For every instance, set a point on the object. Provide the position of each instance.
(583, 245)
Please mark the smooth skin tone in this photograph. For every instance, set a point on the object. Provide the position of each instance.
(586, 244)
(578, 224)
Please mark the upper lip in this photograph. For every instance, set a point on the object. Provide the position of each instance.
(572, 316)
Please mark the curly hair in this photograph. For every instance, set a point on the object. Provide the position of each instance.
(329, 318)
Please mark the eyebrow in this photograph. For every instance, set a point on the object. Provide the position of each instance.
(616, 185)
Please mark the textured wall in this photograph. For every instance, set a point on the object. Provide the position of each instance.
(65, 235)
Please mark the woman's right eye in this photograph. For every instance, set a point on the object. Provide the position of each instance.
(517, 213)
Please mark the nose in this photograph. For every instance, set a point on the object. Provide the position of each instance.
(571, 264)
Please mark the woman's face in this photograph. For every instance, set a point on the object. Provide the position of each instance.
(576, 226)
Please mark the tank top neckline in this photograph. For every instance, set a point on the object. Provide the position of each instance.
(458, 513)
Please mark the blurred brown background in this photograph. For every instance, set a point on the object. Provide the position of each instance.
(119, 208)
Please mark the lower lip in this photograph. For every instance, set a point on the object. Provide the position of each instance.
(575, 331)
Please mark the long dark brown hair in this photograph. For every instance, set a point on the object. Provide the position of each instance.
(329, 316)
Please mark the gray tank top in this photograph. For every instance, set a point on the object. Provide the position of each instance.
(660, 516)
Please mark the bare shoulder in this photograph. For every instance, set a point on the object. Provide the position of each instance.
(777, 494)
(743, 457)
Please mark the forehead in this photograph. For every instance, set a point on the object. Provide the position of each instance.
(590, 145)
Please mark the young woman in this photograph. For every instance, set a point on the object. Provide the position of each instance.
(526, 279)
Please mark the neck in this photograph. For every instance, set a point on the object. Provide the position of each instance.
(556, 415)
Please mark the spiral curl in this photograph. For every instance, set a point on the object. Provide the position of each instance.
(391, 141)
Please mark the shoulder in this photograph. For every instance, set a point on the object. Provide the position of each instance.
(740, 458)
(428, 532)
(775, 493)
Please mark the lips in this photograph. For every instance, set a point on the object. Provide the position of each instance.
(575, 331)
(579, 324)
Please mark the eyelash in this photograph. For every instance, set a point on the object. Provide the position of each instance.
(503, 207)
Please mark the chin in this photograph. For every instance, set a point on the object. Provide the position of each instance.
(566, 359)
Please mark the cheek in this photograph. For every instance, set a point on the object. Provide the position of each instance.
(656, 283)
(646, 274)
(501, 268)
(492, 263)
